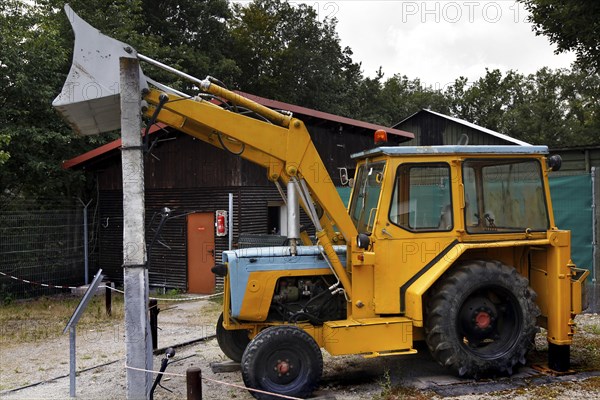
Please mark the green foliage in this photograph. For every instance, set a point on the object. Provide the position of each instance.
(391, 392)
(190, 35)
(388, 102)
(4, 155)
(284, 52)
(271, 48)
(572, 25)
(557, 108)
(34, 140)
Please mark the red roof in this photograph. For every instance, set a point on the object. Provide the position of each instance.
(277, 105)
(114, 145)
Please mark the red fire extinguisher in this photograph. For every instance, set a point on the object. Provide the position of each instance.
(221, 224)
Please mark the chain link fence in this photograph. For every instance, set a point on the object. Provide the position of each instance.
(44, 247)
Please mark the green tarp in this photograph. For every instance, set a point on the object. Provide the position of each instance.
(572, 204)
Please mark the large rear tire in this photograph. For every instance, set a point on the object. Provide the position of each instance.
(481, 319)
(232, 343)
(284, 360)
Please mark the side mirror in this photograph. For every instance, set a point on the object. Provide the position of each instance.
(219, 270)
(555, 162)
(363, 241)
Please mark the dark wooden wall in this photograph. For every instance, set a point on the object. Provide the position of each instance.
(188, 175)
(177, 161)
(169, 253)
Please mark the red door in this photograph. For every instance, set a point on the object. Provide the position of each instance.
(201, 253)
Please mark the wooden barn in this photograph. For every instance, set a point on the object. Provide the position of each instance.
(194, 180)
(432, 128)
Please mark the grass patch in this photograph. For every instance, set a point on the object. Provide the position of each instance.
(218, 300)
(403, 392)
(541, 392)
(555, 390)
(592, 384)
(585, 352)
(28, 321)
(592, 329)
(391, 392)
(168, 294)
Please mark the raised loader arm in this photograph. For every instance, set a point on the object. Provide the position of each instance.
(274, 140)
(285, 150)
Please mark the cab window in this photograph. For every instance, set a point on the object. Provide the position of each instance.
(504, 196)
(422, 200)
(365, 195)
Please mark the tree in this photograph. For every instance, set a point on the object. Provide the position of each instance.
(486, 101)
(580, 98)
(285, 53)
(36, 42)
(403, 97)
(30, 62)
(552, 107)
(572, 25)
(192, 36)
(4, 155)
(389, 101)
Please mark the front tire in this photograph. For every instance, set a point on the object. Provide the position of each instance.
(284, 360)
(232, 343)
(481, 319)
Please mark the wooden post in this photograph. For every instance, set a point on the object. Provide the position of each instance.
(153, 306)
(193, 378)
(108, 299)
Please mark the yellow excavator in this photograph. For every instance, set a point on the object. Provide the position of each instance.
(455, 246)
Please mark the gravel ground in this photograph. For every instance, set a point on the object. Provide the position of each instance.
(347, 377)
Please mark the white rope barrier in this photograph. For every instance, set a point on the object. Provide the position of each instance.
(49, 285)
(219, 382)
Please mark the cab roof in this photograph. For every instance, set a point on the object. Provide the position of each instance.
(450, 150)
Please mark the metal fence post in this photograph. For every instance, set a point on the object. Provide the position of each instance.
(72, 360)
(193, 378)
(86, 260)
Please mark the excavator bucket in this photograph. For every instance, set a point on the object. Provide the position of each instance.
(90, 98)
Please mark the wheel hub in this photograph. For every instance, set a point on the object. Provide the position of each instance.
(483, 320)
(283, 367)
(478, 319)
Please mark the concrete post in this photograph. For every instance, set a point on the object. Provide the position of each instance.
(594, 291)
(135, 273)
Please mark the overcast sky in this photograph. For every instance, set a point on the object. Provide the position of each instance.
(438, 41)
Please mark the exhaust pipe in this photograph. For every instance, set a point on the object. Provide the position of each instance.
(293, 217)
